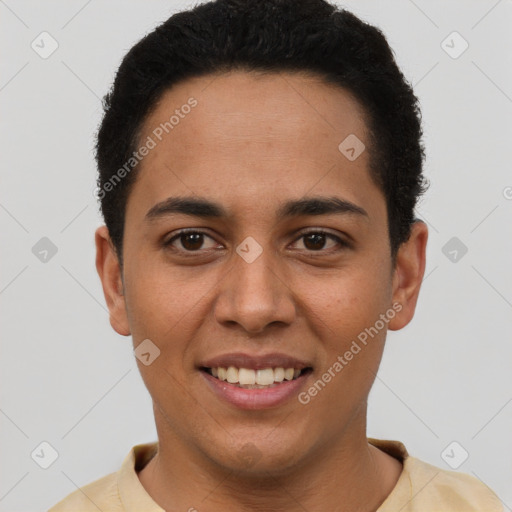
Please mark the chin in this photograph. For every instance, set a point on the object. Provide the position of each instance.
(260, 456)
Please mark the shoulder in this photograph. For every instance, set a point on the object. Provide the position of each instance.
(423, 487)
(114, 491)
(101, 494)
(434, 488)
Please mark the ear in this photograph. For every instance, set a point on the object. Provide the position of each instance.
(109, 270)
(408, 275)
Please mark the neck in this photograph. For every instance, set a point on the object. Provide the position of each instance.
(347, 475)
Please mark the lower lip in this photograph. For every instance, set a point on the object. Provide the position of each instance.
(256, 398)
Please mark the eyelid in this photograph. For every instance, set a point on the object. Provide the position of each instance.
(323, 231)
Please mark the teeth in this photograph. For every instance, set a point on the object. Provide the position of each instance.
(278, 374)
(265, 377)
(246, 377)
(232, 375)
(221, 373)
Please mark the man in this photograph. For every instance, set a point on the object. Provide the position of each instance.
(259, 165)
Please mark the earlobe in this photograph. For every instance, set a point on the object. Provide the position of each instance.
(408, 274)
(107, 265)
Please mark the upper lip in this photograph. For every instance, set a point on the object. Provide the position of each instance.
(253, 362)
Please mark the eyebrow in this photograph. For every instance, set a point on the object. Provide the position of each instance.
(203, 208)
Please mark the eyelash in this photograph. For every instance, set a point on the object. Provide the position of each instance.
(318, 231)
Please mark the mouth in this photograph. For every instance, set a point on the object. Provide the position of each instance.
(255, 382)
(248, 378)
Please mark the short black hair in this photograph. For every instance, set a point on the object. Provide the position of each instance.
(310, 36)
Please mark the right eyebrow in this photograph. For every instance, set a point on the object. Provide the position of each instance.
(186, 206)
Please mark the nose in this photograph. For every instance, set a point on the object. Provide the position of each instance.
(254, 295)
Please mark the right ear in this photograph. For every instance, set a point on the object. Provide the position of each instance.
(109, 270)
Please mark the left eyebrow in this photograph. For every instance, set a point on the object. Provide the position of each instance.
(319, 206)
(203, 208)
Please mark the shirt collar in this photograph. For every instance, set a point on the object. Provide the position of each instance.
(132, 493)
(135, 497)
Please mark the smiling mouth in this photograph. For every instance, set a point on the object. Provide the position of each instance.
(256, 379)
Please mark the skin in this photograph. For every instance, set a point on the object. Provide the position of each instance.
(252, 142)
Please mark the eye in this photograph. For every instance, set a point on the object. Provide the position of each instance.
(190, 240)
(315, 241)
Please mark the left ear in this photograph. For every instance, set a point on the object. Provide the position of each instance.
(408, 274)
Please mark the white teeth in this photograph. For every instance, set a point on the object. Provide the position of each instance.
(265, 377)
(278, 374)
(249, 378)
(232, 375)
(246, 376)
(288, 374)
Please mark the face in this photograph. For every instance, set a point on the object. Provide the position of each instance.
(289, 267)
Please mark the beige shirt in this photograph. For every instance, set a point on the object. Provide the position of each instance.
(421, 487)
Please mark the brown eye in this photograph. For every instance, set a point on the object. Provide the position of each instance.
(190, 241)
(314, 241)
(317, 240)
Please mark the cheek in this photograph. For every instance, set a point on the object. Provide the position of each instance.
(347, 312)
(157, 303)
(169, 306)
(352, 348)
(350, 301)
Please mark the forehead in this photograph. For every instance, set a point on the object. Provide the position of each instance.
(256, 108)
(252, 136)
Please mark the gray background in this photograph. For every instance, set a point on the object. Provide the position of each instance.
(68, 379)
